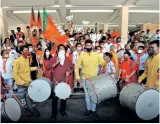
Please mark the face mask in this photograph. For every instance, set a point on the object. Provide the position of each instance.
(96, 44)
(34, 35)
(61, 57)
(19, 30)
(115, 39)
(89, 49)
(20, 39)
(140, 51)
(151, 52)
(62, 52)
(47, 53)
(25, 54)
(98, 51)
(30, 49)
(39, 48)
(79, 48)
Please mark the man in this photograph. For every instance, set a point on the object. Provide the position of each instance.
(34, 39)
(12, 36)
(33, 61)
(140, 59)
(152, 72)
(22, 77)
(39, 53)
(148, 35)
(6, 69)
(18, 48)
(114, 59)
(76, 55)
(98, 49)
(115, 33)
(118, 43)
(90, 61)
(108, 44)
(28, 35)
(61, 68)
(128, 49)
(101, 44)
(157, 35)
(19, 33)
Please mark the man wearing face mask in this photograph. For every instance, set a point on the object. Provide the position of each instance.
(140, 59)
(39, 52)
(22, 77)
(152, 66)
(28, 34)
(61, 67)
(6, 69)
(76, 54)
(89, 61)
(19, 33)
(33, 61)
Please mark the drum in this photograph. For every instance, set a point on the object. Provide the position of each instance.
(101, 87)
(145, 102)
(10, 109)
(62, 90)
(40, 90)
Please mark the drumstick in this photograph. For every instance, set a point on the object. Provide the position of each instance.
(16, 98)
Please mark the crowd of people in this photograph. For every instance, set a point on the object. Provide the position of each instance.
(28, 56)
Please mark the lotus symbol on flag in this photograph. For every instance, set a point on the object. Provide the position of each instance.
(85, 22)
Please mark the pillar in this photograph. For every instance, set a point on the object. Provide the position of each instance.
(3, 23)
(124, 24)
(105, 27)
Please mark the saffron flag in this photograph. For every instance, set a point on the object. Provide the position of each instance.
(33, 22)
(50, 31)
(39, 20)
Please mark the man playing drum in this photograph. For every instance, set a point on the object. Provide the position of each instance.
(61, 67)
(22, 77)
(90, 61)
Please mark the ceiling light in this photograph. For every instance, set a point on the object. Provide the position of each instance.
(118, 6)
(29, 11)
(118, 25)
(144, 11)
(91, 10)
(5, 7)
(68, 5)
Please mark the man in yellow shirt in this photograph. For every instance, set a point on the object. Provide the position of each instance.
(152, 67)
(89, 61)
(22, 77)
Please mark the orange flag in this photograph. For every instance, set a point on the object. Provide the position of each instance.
(33, 22)
(39, 20)
(50, 31)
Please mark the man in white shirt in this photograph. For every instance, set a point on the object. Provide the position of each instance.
(6, 69)
(108, 44)
(76, 55)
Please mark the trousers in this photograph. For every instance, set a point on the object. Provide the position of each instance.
(55, 104)
(27, 103)
(89, 104)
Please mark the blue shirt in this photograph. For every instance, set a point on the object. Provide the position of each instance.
(156, 37)
(143, 59)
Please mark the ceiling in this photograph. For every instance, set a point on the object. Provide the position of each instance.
(63, 8)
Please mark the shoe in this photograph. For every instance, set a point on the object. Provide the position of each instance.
(64, 114)
(94, 115)
(54, 117)
(81, 89)
(36, 113)
(87, 113)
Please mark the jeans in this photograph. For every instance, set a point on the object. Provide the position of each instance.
(90, 105)
(9, 82)
(54, 104)
(26, 102)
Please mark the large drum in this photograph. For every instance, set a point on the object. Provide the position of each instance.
(145, 102)
(10, 110)
(63, 90)
(40, 90)
(101, 87)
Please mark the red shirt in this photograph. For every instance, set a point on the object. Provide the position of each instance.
(127, 68)
(58, 73)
